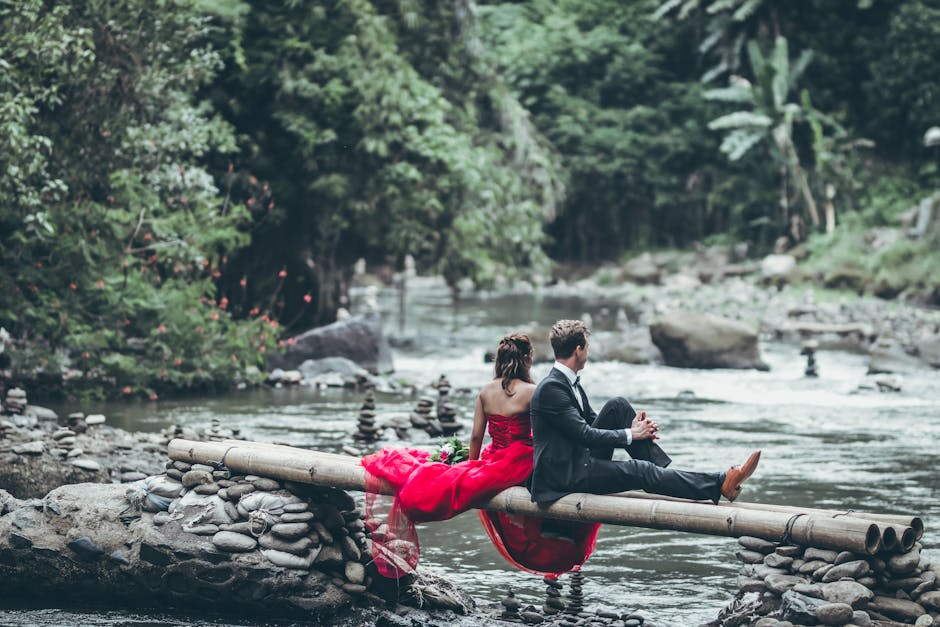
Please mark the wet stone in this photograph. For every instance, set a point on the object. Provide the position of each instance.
(930, 600)
(350, 549)
(355, 572)
(846, 556)
(756, 544)
(236, 492)
(234, 542)
(851, 570)
(173, 473)
(287, 560)
(904, 563)
(290, 531)
(811, 567)
(799, 608)
(297, 547)
(353, 588)
(789, 551)
(747, 584)
(834, 613)
(861, 619)
(265, 484)
(749, 557)
(193, 478)
(202, 530)
(293, 508)
(291, 517)
(775, 560)
(128, 477)
(86, 464)
(206, 488)
(825, 555)
(820, 572)
(897, 609)
(782, 583)
(814, 590)
(30, 448)
(849, 592)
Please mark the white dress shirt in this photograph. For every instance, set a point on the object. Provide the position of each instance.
(572, 377)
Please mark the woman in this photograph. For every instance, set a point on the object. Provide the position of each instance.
(427, 491)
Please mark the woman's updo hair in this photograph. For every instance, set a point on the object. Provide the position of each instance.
(514, 359)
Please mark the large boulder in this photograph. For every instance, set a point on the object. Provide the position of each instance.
(632, 346)
(695, 340)
(358, 338)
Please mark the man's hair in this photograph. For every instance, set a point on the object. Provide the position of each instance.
(566, 336)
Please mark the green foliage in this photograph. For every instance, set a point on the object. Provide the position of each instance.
(112, 229)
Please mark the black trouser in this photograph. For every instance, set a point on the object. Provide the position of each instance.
(647, 469)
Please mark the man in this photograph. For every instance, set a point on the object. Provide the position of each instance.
(574, 446)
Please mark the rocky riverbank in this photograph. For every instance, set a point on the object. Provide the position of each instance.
(782, 585)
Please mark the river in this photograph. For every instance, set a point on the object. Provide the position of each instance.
(825, 443)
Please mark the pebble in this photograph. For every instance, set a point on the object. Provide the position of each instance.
(353, 588)
(236, 492)
(67, 442)
(30, 448)
(294, 517)
(173, 473)
(852, 570)
(350, 549)
(290, 531)
(192, 478)
(846, 556)
(861, 619)
(904, 563)
(789, 551)
(86, 464)
(849, 592)
(749, 557)
(265, 484)
(775, 560)
(95, 419)
(898, 609)
(234, 542)
(834, 613)
(355, 572)
(930, 600)
(75, 452)
(239, 527)
(825, 555)
(297, 547)
(63, 433)
(782, 583)
(293, 508)
(756, 544)
(325, 536)
(811, 567)
(202, 530)
(924, 621)
(287, 560)
(206, 488)
(127, 477)
(161, 518)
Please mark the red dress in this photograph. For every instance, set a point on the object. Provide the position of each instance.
(427, 491)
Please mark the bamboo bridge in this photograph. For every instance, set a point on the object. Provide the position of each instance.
(864, 533)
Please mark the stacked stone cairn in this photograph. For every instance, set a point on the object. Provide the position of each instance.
(782, 585)
(289, 525)
(553, 601)
(216, 433)
(446, 412)
(575, 593)
(421, 417)
(15, 402)
(366, 429)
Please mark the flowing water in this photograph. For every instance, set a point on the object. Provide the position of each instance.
(825, 444)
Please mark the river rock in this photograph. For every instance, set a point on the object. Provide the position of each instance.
(330, 556)
(350, 549)
(924, 621)
(298, 547)
(809, 568)
(897, 609)
(834, 613)
(86, 464)
(236, 492)
(799, 609)
(298, 517)
(852, 570)
(749, 557)
(789, 551)
(355, 572)
(30, 448)
(904, 563)
(234, 542)
(95, 419)
(287, 560)
(263, 483)
(782, 583)
(821, 572)
(749, 584)
(930, 600)
(358, 338)
(201, 529)
(206, 488)
(695, 340)
(824, 555)
(861, 619)
(192, 478)
(848, 592)
(757, 544)
(290, 531)
(775, 560)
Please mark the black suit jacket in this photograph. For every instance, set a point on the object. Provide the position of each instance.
(562, 436)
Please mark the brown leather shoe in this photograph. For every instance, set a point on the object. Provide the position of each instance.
(736, 475)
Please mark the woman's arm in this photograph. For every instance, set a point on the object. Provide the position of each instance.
(479, 428)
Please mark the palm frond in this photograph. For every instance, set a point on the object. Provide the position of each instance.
(739, 120)
(665, 8)
(730, 94)
(737, 143)
(746, 10)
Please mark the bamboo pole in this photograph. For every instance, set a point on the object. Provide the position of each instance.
(900, 522)
(346, 472)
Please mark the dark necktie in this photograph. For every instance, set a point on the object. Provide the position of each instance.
(578, 393)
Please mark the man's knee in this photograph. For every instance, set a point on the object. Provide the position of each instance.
(621, 407)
